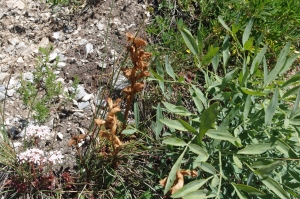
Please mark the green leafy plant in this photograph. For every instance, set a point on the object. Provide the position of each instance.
(39, 93)
(240, 132)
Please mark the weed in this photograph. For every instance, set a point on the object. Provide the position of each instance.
(42, 90)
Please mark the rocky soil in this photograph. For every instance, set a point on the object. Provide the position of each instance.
(88, 41)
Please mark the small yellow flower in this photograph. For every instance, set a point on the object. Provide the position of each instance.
(188, 51)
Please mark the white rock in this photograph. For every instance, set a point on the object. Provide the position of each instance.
(83, 105)
(44, 42)
(78, 114)
(113, 53)
(121, 29)
(3, 76)
(10, 92)
(75, 103)
(129, 26)
(2, 56)
(14, 41)
(52, 56)
(2, 96)
(116, 21)
(82, 41)
(100, 26)
(17, 144)
(2, 88)
(81, 130)
(9, 48)
(60, 80)
(61, 64)
(101, 64)
(55, 35)
(20, 5)
(5, 68)
(28, 76)
(60, 136)
(20, 60)
(89, 48)
(80, 92)
(87, 97)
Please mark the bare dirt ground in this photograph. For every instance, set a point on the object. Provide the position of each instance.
(88, 41)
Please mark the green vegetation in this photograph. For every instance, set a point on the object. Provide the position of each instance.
(40, 92)
(223, 93)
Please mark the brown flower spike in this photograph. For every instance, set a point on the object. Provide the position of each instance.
(140, 60)
(110, 124)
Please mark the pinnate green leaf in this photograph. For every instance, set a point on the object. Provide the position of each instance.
(197, 150)
(189, 41)
(190, 187)
(271, 109)
(247, 31)
(174, 124)
(179, 110)
(172, 175)
(256, 148)
(249, 189)
(169, 68)
(275, 187)
(211, 53)
(174, 142)
(208, 119)
(257, 60)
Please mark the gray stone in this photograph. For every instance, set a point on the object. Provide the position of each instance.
(100, 26)
(101, 64)
(61, 64)
(5, 68)
(78, 114)
(2, 56)
(3, 76)
(2, 88)
(20, 5)
(9, 48)
(61, 57)
(13, 41)
(44, 42)
(121, 82)
(2, 96)
(83, 105)
(28, 76)
(10, 92)
(82, 41)
(21, 45)
(87, 97)
(80, 92)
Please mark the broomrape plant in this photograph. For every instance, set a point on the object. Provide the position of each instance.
(109, 128)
